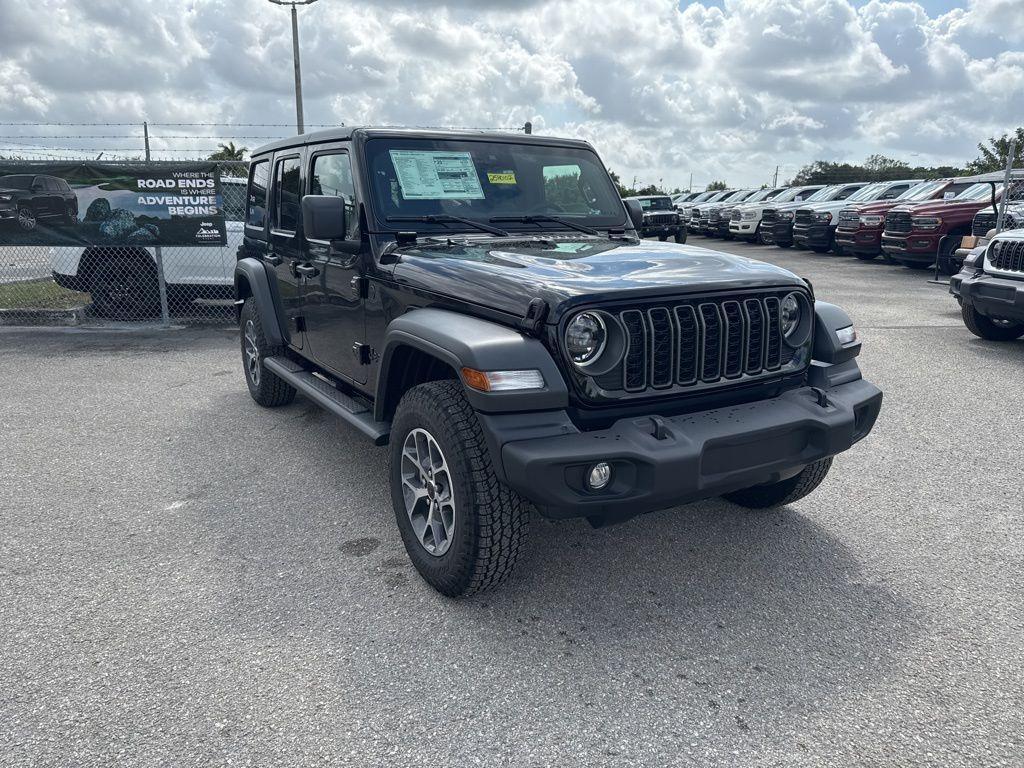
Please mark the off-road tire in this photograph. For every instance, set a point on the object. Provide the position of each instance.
(984, 328)
(784, 492)
(271, 391)
(680, 237)
(491, 520)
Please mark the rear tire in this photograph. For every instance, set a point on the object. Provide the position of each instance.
(986, 328)
(266, 388)
(462, 528)
(784, 492)
(124, 289)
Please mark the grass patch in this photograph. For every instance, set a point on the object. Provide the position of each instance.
(40, 294)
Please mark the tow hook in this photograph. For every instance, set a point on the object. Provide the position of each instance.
(821, 397)
(659, 429)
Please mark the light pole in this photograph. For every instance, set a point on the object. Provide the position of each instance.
(299, 123)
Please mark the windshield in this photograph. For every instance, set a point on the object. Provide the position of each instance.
(976, 192)
(824, 193)
(788, 195)
(870, 192)
(18, 181)
(655, 203)
(479, 180)
(741, 194)
(703, 197)
(922, 191)
(761, 194)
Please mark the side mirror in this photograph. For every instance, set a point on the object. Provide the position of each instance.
(636, 213)
(324, 217)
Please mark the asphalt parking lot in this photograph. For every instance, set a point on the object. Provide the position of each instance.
(189, 580)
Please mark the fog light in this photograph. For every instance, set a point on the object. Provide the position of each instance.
(599, 476)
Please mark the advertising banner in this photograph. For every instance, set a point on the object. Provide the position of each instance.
(97, 203)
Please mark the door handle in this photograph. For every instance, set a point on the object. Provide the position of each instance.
(306, 270)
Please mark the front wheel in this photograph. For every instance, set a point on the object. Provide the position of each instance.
(784, 491)
(265, 387)
(462, 528)
(124, 289)
(680, 237)
(663, 238)
(27, 219)
(989, 328)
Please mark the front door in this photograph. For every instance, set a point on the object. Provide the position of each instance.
(332, 301)
(283, 249)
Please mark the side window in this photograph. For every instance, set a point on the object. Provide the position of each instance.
(64, 186)
(48, 184)
(256, 200)
(845, 193)
(332, 175)
(894, 191)
(286, 195)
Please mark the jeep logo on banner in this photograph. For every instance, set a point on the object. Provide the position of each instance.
(96, 203)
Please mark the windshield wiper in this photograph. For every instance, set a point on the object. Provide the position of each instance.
(446, 218)
(536, 219)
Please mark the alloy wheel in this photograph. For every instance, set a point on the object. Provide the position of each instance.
(428, 492)
(26, 219)
(252, 353)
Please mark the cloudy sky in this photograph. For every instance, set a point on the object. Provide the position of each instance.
(662, 88)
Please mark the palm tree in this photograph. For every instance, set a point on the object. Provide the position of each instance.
(229, 152)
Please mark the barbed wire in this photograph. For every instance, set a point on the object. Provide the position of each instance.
(179, 125)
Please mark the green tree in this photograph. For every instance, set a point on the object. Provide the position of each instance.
(714, 186)
(229, 152)
(993, 156)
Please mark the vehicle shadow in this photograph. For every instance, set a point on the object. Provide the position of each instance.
(698, 597)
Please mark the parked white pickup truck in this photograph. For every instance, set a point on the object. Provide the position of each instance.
(745, 222)
(122, 280)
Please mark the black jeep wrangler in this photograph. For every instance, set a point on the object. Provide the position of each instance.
(29, 198)
(660, 218)
(481, 302)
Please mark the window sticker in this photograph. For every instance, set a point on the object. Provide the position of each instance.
(436, 175)
(508, 177)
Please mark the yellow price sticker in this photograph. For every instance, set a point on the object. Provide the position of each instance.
(502, 178)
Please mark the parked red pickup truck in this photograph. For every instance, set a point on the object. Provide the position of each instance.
(916, 235)
(860, 227)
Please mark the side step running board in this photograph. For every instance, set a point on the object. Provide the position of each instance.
(330, 398)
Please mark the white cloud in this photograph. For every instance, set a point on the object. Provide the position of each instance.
(661, 91)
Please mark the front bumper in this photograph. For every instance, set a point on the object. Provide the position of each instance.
(779, 233)
(915, 247)
(743, 229)
(991, 295)
(662, 230)
(813, 235)
(8, 211)
(700, 455)
(859, 240)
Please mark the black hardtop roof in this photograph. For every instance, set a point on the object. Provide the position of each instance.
(345, 133)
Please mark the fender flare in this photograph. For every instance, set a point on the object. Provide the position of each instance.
(828, 318)
(251, 279)
(459, 341)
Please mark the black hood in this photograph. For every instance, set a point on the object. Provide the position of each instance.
(507, 274)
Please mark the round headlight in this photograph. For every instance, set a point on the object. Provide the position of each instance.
(585, 337)
(790, 311)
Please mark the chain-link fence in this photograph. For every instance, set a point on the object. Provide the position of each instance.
(81, 284)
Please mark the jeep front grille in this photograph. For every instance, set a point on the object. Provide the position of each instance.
(1007, 255)
(897, 221)
(661, 218)
(700, 342)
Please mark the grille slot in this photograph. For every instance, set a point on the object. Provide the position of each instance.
(849, 219)
(983, 222)
(661, 347)
(897, 221)
(635, 367)
(803, 217)
(705, 342)
(769, 216)
(1007, 255)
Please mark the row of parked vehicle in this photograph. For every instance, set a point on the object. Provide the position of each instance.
(914, 222)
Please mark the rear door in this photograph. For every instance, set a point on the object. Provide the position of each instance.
(285, 253)
(332, 292)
